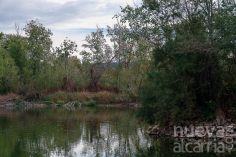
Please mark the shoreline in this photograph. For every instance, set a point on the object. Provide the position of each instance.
(202, 130)
(10, 103)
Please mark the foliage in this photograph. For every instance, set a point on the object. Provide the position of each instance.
(39, 43)
(64, 51)
(8, 72)
(192, 53)
(90, 103)
(99, 57)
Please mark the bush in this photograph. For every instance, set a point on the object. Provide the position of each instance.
(48, 103)
(60, 102)
(90, 103)
(77, 103)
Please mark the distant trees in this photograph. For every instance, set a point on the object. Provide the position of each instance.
(29, 63)
(37, 65)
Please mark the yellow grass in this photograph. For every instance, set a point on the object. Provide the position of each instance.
(10, 96)
(103, 97)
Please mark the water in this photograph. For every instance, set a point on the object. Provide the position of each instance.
(95, 131)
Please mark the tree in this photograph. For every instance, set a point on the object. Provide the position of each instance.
(191, 55)
(39, 43)
(66, 49)
(8, 72)
(124, 51)
(17, 48)
(99, 57)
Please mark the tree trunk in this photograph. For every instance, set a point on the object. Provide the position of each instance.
(92, 77)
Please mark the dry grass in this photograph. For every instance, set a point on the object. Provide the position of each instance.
(103, 97)
(7, 97)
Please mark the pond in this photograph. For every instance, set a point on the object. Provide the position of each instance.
(87, 131)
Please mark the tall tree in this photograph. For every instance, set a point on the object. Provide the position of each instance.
(17, 47)
(66, 49)
(39, 43)
(99, 57)
(8, 72)
(124, 51)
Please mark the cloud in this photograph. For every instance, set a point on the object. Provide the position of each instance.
(61, 14)
(66, 18)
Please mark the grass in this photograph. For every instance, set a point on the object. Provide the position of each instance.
(17, 102)
(9, 96)
(48, 103)
(87, 98)
(60, 102)
(90, 103)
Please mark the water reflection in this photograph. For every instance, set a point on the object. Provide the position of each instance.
(62, 132)
(96, 131)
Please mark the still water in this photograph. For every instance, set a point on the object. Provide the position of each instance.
(88, 131)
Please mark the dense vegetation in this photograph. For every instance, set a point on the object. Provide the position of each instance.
(193, 75)
(180, 54)
(30, 64)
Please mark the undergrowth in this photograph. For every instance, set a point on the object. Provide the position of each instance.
(103, 97)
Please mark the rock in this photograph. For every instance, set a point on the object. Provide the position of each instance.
(149, 128)
(171, 132)
(154, 130)
(9, 104)
(220, 117)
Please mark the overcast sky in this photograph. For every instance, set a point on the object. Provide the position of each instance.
(66, 18)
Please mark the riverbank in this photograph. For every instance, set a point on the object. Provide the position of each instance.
(219, 128)
(62, 98)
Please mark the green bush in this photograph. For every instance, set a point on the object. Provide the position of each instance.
(60, 102)
(47, 98)
(90, 103)
(17, 102)
(48, 103)
(77, 103)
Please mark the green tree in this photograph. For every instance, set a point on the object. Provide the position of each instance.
(17, 48)
(191, 52)
(66, 49)
(99, 57)
(39, 43)
(8, 72)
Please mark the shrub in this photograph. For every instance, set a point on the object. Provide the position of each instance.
(48, 103)
(90, 103)
(60, 102)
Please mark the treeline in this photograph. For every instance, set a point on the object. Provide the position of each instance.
(29, 62)
(180, 54)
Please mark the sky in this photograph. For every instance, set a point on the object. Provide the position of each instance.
(65, 18)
